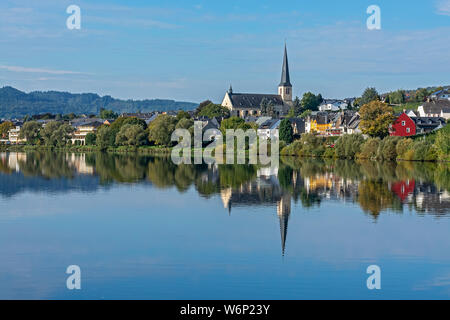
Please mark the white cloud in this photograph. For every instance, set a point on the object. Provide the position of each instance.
(37, 70)
(443, 7)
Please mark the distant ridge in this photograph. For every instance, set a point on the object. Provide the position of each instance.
(16, 104)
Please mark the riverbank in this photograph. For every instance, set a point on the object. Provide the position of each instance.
(290, 151)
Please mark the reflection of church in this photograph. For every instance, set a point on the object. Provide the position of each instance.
(264, 191)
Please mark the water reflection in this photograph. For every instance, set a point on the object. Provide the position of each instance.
(376, 187)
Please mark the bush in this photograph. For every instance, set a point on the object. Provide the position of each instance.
(387, 149)
(370, 148)
(403, 148)
(348, 145)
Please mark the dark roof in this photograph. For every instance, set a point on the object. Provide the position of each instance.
(285, 78)
(427, 122)
(252, 101)
(321, 117)
(299, 123)
(437, 106)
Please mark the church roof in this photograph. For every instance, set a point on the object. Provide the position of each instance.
(253, 100)
(285, 78)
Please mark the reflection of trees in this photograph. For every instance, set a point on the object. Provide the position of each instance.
(46, 164)
(306, 180)
(375, 196)
(235, 175)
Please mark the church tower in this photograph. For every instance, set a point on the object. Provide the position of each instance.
(285, 87)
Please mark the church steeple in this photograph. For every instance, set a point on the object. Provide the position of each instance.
(285, 86)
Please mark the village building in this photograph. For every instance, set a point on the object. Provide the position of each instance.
(439, 108)
(405, 126)
(249, 104)
(84, 127)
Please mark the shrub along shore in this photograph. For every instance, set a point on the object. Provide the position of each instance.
(432, 147)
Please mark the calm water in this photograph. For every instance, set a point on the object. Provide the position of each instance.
(143, 228)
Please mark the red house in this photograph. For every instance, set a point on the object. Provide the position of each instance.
(404, 126)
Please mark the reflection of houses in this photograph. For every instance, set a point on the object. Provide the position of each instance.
(14, 160)
(264, 191)
(428, 198)
(78, 161)
(403, 189)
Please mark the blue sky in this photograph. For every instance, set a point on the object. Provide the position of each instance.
(193, 50)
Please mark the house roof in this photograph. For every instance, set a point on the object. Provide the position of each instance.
(437, 106)
(254, 100)
(270, 124)
(427, 122)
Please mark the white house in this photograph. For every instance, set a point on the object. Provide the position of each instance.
(433, 109)
(333, 105)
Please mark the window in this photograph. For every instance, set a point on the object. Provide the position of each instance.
(408, 130)
(403, 123)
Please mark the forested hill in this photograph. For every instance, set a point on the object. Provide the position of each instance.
(15, 103)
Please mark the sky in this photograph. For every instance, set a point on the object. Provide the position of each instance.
(193, 50)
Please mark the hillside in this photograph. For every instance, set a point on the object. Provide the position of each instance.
(15, 103)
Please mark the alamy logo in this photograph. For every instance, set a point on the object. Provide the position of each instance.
(374, 281)
(74, 20)
(239, 144)
(374, 21)
(74, 280)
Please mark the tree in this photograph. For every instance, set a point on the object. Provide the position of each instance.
(421, 94)
(305, 114)
(105, 137)
(56, 133)
(297, 106)
(31, 132)
(310, 101)
(4, 129)
(183, 115)
(184, 124)
(286, 132)
(161, 130)
(369, 95)
(376, 118)
(214, 110)
(108, 114)
(131, 135)
(90, 139)
(397, 97)
(202, 105)
(231, 123)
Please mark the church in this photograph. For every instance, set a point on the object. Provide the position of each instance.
(249, 104)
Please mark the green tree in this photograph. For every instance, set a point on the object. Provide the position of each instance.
(286, 132)
(369, 95)
(31, 132)
(91, 139)
(184, 124)
(305, 114)
(183, 115)
(108, 114)
(297, 106)
(131, 135)
(214, 110)
(4, 129)
(421, 94)
(231, 123)
(376, 118)
(105, 137)
(161, 130)
(442, 143)
(397, 97)
(310, 101)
